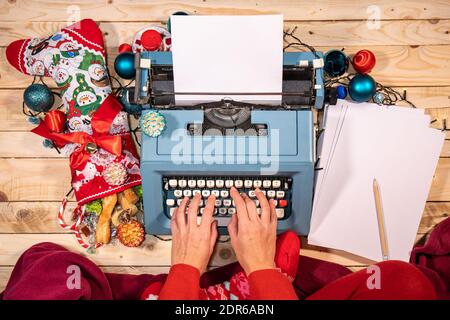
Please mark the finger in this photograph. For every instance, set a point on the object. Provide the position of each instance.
(207, 216)
(239, 202)
(180, 213)
(173, 226)
(265, 207)
(273, 214)
(214, 235)
(233, 227)
(251, 208)
(193, 210)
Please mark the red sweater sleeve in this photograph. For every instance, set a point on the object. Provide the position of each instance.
(182, 283)
(270, 284)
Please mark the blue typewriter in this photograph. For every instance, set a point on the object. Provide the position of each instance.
(210, 147)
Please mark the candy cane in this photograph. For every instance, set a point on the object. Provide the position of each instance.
(74, 227)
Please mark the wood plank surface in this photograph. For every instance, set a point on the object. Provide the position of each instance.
(157, 10)
(319, 33)
(48, 180)
(396, 66)
(40, 217)
(12, 118)
(25, 144)
(152, 252)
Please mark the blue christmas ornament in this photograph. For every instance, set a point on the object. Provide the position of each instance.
(379, 97)
(178, 13)
(335, 63)
(124, 65)
(38, 97)
(361, 88)
(341, 92)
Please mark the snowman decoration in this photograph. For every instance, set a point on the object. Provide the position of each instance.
(98, 75)
(71, 55)
(85, 98)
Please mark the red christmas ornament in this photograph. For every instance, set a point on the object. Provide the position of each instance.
(151, 40)
(125, 47)
(364, 61)
(55, 120)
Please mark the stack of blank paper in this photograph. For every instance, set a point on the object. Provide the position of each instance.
(362, 142)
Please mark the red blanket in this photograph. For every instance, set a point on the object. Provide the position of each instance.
(50, 266)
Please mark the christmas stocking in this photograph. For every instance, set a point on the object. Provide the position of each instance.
(95, 133)
(237, 288)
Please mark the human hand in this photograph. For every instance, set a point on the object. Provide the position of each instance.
(253, 237)
(193, 244)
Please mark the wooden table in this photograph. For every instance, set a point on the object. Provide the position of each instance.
(412, 46)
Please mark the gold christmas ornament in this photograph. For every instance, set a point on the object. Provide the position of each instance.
(131, 234)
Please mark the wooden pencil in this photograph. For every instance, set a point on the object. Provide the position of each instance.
(380, 218)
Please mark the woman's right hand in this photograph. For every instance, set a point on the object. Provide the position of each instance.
(193, 243)
(253, 236)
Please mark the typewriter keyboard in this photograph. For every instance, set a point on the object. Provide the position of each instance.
(276, 188)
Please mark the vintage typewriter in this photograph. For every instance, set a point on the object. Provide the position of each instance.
(278, 154)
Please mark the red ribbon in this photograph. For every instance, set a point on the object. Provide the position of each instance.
(100, 123)
(55, 120)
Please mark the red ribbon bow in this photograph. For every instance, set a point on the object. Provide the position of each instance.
(100, 123)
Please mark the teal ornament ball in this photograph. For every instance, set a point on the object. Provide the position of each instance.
(178, 13)
(335, 63)
(153, 123)
(379, 98)
(124, 65)
(361, 88)
(38, 97)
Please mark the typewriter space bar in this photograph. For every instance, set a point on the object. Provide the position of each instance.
(221, 221)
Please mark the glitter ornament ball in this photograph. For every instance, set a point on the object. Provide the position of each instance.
(124, 65)
(38, 97)
(335, 63)
(361, 88)
(153, 123)
(115, 174)
(379, 98)
(363, 61)
(341, 92)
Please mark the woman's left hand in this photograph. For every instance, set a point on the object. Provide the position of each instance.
(193, 243)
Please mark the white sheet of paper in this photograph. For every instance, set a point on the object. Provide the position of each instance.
(227, 54)
(333, 119)
(396, 147)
